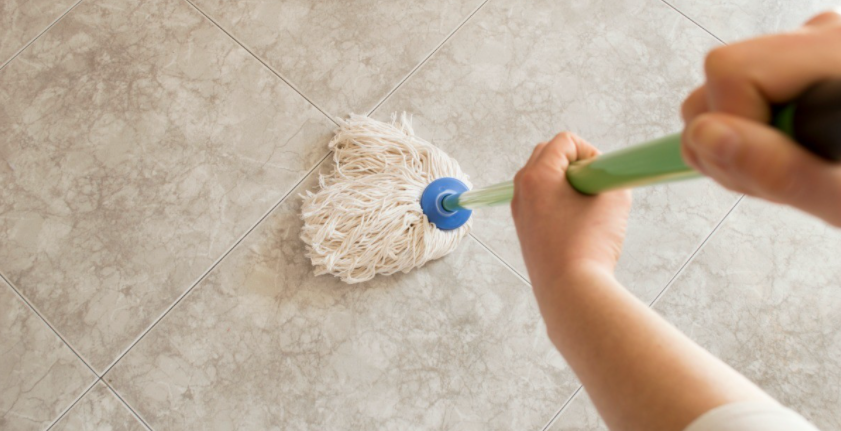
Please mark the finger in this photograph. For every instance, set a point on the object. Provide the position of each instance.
(742, 78)
(759, 160)
(529, 164)
(535, 153)
(694, 105)
(824, 20)
(584, 149)
(564, 149)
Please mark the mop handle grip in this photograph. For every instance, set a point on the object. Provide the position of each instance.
(813, 120)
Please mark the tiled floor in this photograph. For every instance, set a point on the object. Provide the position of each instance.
(151, 154)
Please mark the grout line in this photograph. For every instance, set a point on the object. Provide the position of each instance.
(658, 296)
(46, 322)
(426, 59)
(264, 63)
(216, 263)
(562, 409)
(73, 404)
(551, 421)
(490, 250)
(695, 253)
(16, 54)
(126, 405)
(693, 21)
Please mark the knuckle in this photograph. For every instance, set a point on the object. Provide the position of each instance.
(826, 16)
(529, 180)
(568, 138)
(692, 105)
(700, 127)
(564, 141)
(720, 61)
(565, 135)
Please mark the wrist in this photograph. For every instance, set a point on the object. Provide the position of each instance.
(581, 267)
(579, 289)
(572, 273)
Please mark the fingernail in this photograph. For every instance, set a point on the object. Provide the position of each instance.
(714, 141)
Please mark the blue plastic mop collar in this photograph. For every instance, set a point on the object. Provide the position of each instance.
(432, 203)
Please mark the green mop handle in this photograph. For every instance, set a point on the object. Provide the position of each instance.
(813, 120)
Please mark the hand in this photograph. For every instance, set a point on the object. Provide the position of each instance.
(559, 228)
(727, 136)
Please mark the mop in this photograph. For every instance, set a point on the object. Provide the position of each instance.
(394, 202)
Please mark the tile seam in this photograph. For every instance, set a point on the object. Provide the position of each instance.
(213, 266)
(694, 254)
(265, 63)
(38, 36)
(126, 405)
(427, 58)
(73, 404)
(563, 408)
(46, 322)
(693, 21)
(500, 259)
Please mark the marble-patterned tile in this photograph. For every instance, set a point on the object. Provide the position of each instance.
(99, 409)
(615, 72)
(137, 143)
(732, 20)
(345, 56)
(457, 344)
(22, 20)
(580, 415)
(763, 295)
(39, 375)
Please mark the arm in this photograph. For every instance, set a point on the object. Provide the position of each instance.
(641, 373)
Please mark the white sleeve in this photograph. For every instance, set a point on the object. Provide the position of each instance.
(751, 416)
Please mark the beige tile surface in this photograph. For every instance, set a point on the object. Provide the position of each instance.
(344, 55)
(99, 409)
(580, 415)
(732, 20)
(137, 143)
(614, 72)
(764, 295)
(39, 375)
(22, 20)
(262, 344)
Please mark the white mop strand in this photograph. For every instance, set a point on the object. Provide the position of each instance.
(366, 219)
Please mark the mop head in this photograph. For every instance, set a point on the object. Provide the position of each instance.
(366, 219)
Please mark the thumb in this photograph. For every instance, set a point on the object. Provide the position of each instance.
(758, 160)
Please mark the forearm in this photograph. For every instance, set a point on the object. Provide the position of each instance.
(641, 373)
